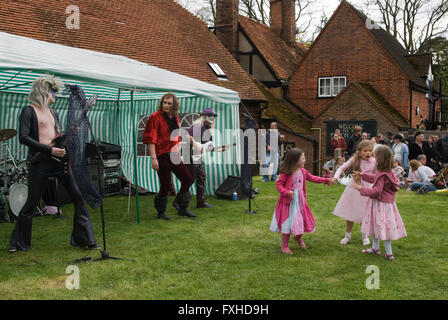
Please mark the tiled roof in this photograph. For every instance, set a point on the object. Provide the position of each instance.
(421, 63)
(282, 59)
(157, 32)
(279, 110)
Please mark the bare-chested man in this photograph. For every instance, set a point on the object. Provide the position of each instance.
(39, 126)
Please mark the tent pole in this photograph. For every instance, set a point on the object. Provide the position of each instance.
(117, 118)
(134, 137)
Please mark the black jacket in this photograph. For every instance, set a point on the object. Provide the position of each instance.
(352, 144)
(415, 151)
(29, 131)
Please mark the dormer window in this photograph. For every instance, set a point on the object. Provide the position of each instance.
(331, 86)
(218, 71)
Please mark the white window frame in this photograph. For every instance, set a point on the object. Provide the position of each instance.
(333, 93)
(332, 86)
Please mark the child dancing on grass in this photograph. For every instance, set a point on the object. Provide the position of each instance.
(351, 204)
(292, 214)
(381, 220)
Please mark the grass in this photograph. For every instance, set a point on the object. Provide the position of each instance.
(227, 254)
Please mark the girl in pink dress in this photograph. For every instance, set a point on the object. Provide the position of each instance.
(381, 220)
(351, 205)
(292, 214)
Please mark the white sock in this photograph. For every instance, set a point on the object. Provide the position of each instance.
(375, 244)
(388, 247)
(364, 236)
(348, 235)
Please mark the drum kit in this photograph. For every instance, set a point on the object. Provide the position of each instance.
(13, 179)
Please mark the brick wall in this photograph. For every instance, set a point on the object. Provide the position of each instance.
(347, 48)
(353, 105)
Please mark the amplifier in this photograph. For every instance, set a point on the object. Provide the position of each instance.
(108, 150)
(110, 179)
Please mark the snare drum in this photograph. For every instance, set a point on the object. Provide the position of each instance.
(18, 194)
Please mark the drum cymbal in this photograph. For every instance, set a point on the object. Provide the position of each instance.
(7, 134)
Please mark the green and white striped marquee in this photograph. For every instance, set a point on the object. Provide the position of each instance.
(127, 89)
(113, 121)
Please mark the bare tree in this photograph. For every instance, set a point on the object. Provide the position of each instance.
(413, 22)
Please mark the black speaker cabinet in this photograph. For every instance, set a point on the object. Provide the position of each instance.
(228, 187)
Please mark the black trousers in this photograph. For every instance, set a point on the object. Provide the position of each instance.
(82, 234)
(198, 174)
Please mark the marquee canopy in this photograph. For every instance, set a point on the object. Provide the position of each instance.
(101, 69)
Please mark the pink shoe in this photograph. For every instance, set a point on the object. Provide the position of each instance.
(389, 257)
(287, 250)
(371, 250)
(300, 242)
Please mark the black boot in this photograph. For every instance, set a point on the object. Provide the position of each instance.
(183, 199)
(160, 205)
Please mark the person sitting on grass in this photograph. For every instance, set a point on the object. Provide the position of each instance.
(413, 176)
(399, 173)
(426, 174)
(292, 214)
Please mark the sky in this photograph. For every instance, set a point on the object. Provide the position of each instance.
(327, 6)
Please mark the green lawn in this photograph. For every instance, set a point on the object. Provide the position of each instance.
(227, 254)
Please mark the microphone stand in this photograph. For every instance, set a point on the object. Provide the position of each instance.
(104, 253)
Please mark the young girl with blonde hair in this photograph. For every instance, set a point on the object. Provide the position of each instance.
(351, 204)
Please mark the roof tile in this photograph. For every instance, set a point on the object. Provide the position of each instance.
(157, 32)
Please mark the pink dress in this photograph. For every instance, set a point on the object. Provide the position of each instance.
(351, 205)
(294, 216)
(382, 219)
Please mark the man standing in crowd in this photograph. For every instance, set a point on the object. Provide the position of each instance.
(354, 140)
(419, 146)
(338, 142)
(273, 141)
(364, 136)
(410, 139)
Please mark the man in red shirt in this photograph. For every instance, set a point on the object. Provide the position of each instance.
(338, 141)
(163, 148)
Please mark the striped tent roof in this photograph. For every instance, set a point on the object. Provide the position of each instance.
(100, 69)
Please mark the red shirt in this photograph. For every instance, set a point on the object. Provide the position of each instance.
(158, 132)
(340, 143)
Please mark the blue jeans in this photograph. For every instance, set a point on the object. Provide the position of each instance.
(265, 167)
(418, 185)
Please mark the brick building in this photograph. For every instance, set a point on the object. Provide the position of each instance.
(158, 32)
(357, 73)
(270, 55)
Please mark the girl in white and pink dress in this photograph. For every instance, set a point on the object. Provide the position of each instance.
(292, 214)
(351, 205)
(381, 220)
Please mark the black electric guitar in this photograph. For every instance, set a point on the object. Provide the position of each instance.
(60, 164)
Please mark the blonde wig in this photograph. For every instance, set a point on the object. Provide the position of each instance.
(42, 87)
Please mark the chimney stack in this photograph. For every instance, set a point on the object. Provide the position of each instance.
(283, 19)
(226, 25)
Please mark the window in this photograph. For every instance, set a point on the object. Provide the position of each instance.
(339, 83)
(331, 86)
(218, 71)
(325, 87)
